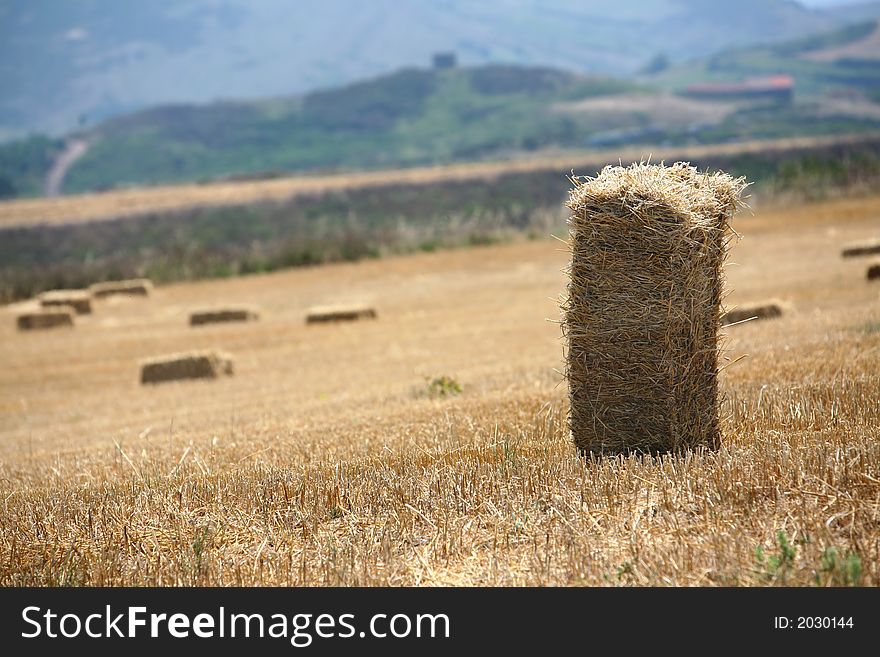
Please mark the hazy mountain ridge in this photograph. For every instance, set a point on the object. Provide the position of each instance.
(63, 64)
(424, 115)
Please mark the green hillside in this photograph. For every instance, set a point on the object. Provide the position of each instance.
(67, 65)
(813, 78)
(24, 163)
(427, 116)
(406, 118)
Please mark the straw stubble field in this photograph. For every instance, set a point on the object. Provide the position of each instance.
(326, 460)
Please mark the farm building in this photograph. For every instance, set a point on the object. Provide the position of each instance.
(779, 88)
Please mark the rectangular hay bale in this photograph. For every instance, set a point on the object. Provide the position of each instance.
(79, 300)
(190, 365)
(641, 315)
(44, 320)
(323, 314)
(856, 249)
(221, 315)
(754, 311)
(136, 287)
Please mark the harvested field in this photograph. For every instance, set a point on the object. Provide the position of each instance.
(140, 287)
(340, 313)
(194, 365)
(79, 300)
(222, 315)
(44, 320)
(663, 107)
(753, 311)
(324, 462)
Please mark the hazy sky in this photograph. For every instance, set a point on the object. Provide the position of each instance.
(827, 3)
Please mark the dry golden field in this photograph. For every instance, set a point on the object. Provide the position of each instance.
(115, 204)
(325, 459)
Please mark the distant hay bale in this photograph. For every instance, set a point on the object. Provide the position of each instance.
(79, 300)
(192, 365)
(763, 310)
(864, 248)
(220, 315)
(641, 314)
(137, 287)
(44, 320)
(321, 314)
(874, 271)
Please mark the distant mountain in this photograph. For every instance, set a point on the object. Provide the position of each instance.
(434, 115)
(69, 64)
(410, 117)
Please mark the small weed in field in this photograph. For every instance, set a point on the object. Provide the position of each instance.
(443, 386)
(776, 566)
(839, 570)
(625, 572)
(870, 328)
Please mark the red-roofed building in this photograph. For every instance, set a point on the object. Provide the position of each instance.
(775, 87)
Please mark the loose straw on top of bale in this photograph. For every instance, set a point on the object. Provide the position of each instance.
(44, 320)
(190, 365)
(79, 300)
(641, 314)
(855, 249)
(221, 315)
(753, 311)
(322, 314)
(137, 287)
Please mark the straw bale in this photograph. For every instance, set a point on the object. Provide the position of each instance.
(855, 249)
(320, 314)
(641, 314)
(220, 315)
(753, 311)
(44, 320)
(190, 365)
(79, 300)
(137, 287)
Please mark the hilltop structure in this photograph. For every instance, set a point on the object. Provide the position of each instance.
(779, 88)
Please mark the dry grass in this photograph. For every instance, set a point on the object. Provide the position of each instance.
(323, 462)
(664, 108)
(128, 202)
